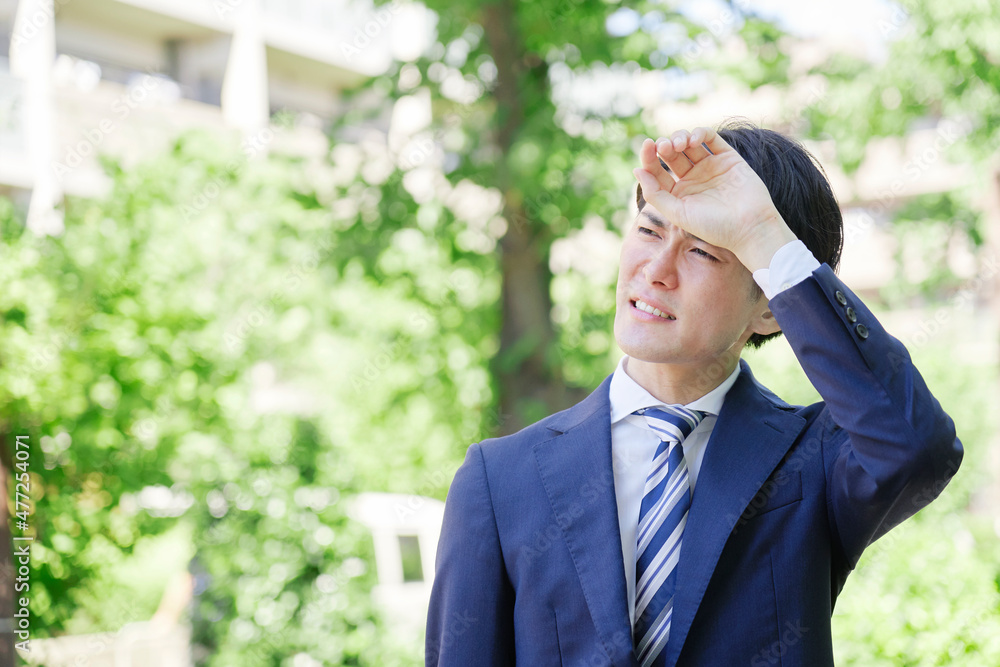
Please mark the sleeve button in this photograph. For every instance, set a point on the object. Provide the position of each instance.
(841, 299)
(852, 317)
(862, 331)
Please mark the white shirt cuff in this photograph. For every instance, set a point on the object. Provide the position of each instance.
(791, 264)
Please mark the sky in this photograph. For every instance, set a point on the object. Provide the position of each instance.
(870, 22)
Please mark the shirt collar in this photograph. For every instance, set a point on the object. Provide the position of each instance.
(627, 395)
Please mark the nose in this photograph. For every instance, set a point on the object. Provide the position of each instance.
(661, 269)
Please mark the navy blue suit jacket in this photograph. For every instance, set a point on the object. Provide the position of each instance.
(529, 566)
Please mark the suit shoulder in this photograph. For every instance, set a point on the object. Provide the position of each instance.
(543, 429)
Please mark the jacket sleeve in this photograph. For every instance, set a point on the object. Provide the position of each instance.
(470, 617)
(889, 448)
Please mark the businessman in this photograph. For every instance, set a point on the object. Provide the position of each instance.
(683, 514)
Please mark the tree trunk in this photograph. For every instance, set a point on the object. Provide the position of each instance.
(526, 367)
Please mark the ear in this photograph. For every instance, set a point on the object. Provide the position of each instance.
(765, 324)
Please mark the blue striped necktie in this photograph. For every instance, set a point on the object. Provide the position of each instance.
(662, 516)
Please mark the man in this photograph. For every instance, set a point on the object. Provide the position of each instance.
(682, 514)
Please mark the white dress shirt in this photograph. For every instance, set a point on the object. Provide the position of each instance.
(791, 264)
(633, 443)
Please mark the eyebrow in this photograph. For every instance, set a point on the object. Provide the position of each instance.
(657, 221)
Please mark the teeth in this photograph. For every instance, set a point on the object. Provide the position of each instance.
(642, 305)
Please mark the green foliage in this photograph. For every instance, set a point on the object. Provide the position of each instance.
(928, 231)
(260, 339)
(941, 64)
(769, 65)
(510, 117)
(940, 74)
(140, 351)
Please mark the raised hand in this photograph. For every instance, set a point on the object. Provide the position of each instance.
(716, 195)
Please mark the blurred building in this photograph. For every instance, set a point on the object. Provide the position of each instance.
(405, 531)
(83, 77)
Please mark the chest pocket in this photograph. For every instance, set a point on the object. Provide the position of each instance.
(779, 491)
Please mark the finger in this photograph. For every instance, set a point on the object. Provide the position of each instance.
(679, 139)
(655, 196)
(696, 150)
(670, 152)
(651, 185)
(712, 141)
(648, 157)
(651, 163)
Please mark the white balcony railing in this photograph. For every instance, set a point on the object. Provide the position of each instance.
(11, 113)
(135, 645)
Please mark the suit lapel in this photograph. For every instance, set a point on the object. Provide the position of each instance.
(749, 440)
(575, 468)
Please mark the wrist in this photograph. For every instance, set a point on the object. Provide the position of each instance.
(767, 238)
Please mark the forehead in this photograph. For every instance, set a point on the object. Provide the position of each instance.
(650, 215)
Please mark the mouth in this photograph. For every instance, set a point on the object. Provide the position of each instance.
(646, 308)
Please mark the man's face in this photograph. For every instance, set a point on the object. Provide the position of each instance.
(703, 294)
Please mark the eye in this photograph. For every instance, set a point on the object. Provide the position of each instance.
(699, 251)
(647, 231)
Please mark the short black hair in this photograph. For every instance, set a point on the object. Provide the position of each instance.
(799, 189)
